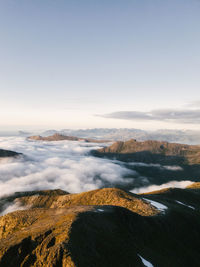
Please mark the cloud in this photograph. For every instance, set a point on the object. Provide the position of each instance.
(193, 104)
(68, 166)
(10, 207)
(191, 116)
(48, 165)
(159, 166)
(177, 184)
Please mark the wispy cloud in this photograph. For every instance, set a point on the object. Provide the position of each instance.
(10, 207)
(191, 116)
(151, 188)
(193, 104)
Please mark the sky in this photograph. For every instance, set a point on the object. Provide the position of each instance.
(93, 64)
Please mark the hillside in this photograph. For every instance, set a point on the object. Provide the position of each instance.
(105, 227)
(152, 152)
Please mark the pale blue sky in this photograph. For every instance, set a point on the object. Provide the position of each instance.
(63, 62)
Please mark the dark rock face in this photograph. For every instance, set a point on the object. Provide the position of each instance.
(8, 153)
(68, 231)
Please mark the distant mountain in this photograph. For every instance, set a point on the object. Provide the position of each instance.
(105, 227)
(61, 137)
(55, 137)
(120, 134)
(124, 134)
(8, 153)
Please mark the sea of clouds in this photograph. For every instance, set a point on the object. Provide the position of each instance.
(66, 165)
(48, 165)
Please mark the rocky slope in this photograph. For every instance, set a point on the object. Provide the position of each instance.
(8, 153)
(60, 137)
(105, 227)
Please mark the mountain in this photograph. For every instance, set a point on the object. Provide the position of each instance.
(105, 227)
(152, 152)
(54, 137)
(154, 162)
(8, 153)
(61, 137)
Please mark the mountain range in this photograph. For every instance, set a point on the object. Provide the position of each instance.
(124, 134)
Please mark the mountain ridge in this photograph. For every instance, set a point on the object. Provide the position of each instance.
(61, 137)
(82, 235)
(144, 150)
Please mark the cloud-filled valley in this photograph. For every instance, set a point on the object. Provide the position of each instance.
(68, 165)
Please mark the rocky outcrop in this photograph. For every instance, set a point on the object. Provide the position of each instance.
(105, 227)
(8, 153)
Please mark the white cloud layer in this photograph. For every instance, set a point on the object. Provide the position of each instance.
(48, 165)
(67, 165)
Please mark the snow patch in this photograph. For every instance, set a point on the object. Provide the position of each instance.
(156, 204)
(145, 262)
(179, 202)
